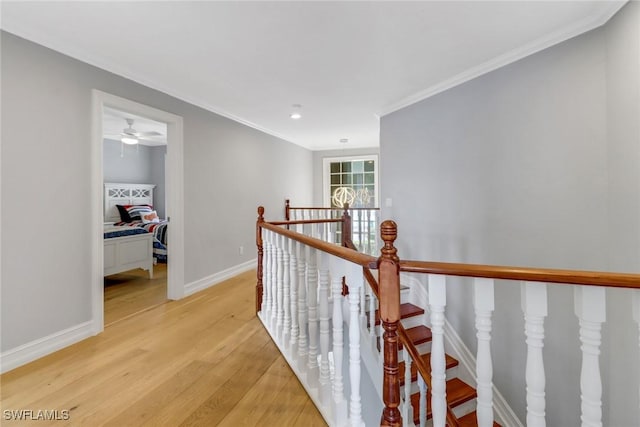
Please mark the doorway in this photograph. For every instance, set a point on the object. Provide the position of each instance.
(174, 179)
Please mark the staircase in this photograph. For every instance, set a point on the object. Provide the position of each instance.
(460, 395)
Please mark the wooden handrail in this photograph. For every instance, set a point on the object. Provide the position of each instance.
(333, 249)
(331, 208)
(571, 277)
(306, 221)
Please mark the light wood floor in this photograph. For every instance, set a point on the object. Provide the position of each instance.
(127, 294)
(203, 361)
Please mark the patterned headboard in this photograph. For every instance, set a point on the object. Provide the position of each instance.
(125, 194)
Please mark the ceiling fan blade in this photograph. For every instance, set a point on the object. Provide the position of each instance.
(150, 133)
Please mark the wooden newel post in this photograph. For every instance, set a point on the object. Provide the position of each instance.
(389, 279)
(346, 226)
(260, 254)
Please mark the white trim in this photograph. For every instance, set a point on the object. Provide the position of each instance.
(504, 414)
(221, 276)
(174, 179)
(36, 349)
(542, 43)
(326, 164)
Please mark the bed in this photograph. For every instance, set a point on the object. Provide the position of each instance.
(132, 243)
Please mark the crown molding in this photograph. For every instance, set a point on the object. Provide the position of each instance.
(587, 24)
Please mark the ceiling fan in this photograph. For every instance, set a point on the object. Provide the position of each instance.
(131, 136)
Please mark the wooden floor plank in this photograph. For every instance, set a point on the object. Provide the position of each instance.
(198, 361)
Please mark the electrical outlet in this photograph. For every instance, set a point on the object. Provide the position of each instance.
(241, 250)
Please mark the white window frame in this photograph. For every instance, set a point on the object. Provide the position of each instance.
(326, 174)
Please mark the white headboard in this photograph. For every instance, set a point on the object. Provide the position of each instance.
(125, 194)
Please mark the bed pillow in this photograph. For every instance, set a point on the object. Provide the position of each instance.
(149, 217)
(136, 211)
(124, 215)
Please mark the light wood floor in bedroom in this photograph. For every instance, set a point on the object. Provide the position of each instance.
(132, 292)
(205, 360)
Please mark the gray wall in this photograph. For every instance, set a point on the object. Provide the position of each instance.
(318, 157)
(534, 164)
(46, 116)
(141, 164)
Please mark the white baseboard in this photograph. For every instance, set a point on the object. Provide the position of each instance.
(504, 414)
(36, 349)
(214, 279)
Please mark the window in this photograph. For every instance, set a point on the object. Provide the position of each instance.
(351, 179)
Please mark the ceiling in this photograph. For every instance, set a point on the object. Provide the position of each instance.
(347, 63)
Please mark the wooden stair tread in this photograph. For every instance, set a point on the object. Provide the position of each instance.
(458, 392)
(406, 310)
(418, 335)
(449, 361)
(471, 420)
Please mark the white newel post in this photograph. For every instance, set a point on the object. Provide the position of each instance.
(437, 303)
(323, 301)
(286, 292)
(338, 271)
(302, 307)
(279, 287)
(354, 281)
(293, 274)
(534, 306)
(484, 305)
(590, 307)
(266, 275)
(312, 303)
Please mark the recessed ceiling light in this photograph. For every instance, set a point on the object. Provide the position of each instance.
(295, 116)
(344, 140)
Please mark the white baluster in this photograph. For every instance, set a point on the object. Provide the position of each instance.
(635, 301)
(422, 386)
(286, 294)
(406, 409)
(274, 282)
(279, 288)
(337, 320)
(437, 302)
(312, 303)
(372, 321)
(363, 300)
(323, 301)
(484, 305)
(354, 280)
(302, 306)
(293, 274)
(266, 275)
(534, 306)
(590, 307)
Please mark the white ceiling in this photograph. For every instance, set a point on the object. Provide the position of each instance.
(346, 62)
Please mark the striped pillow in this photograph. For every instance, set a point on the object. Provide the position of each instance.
(136, 211)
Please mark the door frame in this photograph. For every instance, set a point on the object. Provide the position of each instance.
(174, 179)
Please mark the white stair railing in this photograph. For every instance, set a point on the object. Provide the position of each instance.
(437, 303)
(484, 305)
(534, 306)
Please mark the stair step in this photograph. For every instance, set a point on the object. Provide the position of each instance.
(449, 361)
(458, 392)
(471, 420)
(406, 310)
(418, 335)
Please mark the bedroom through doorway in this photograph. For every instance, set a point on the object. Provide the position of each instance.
(134, 162)
(137, 180)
